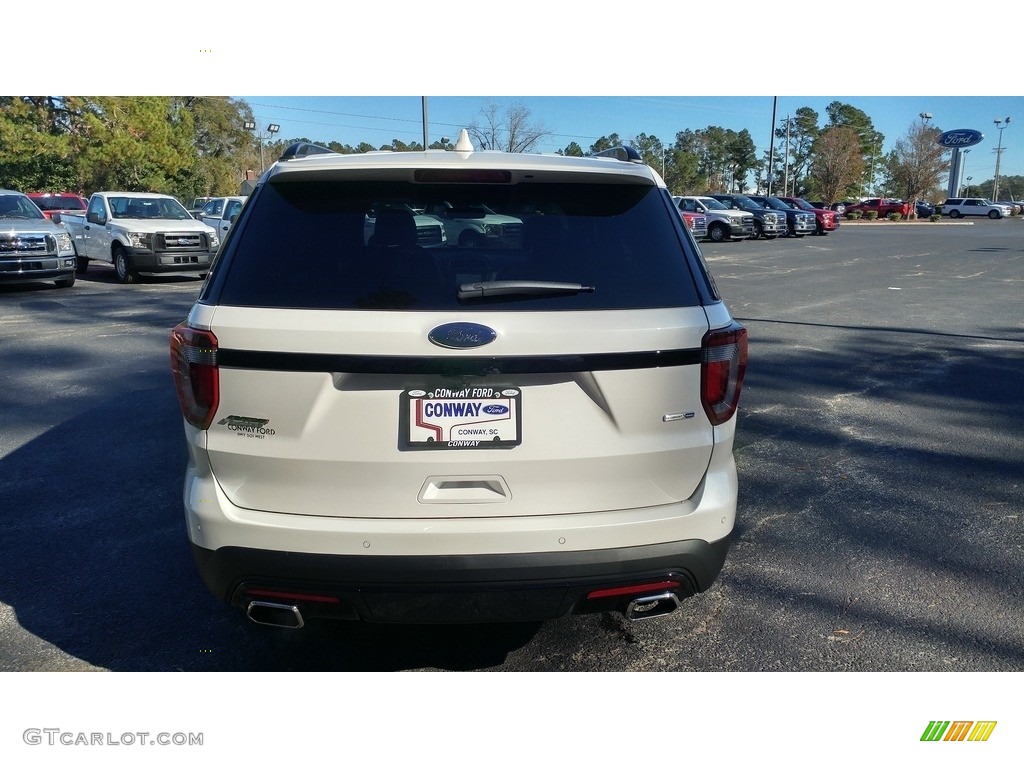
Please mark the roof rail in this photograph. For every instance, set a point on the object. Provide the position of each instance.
(626, 154)
(304, 149)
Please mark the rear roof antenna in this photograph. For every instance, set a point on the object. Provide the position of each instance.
(463, 144)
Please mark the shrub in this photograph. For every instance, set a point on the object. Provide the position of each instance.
(936, 217)
(871, 215)
(854, 215)
(894, 216)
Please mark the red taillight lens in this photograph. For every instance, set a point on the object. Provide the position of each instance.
(723, 364)
(194, 367)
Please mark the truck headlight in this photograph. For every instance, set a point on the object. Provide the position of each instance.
(63, 242)
(214, 240)
(141, 240)
(492, 230)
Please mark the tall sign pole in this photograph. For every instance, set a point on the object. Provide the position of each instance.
(957, 140)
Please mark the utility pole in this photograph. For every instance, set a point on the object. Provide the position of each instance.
(771, 146)
(785, 177)
(999, 152)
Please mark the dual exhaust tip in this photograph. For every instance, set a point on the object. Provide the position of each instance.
(288, 615)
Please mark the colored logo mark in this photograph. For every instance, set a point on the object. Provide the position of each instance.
(958, 730)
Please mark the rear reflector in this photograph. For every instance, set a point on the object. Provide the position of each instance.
(635, 589)
(723, 365)
(299, 597)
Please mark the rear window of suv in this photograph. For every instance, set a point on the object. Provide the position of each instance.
(397, 245)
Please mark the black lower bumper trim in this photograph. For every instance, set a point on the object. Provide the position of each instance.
(457, 588)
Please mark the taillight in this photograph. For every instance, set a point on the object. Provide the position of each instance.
(194, 367)
(723, 364)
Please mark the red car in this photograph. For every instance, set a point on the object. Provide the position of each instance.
(826, 219)
(56, 203)
(883, 205)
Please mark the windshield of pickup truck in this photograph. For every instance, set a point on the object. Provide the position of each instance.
(714, 205)
(18, 207)
(802, 204)
(147, 208)
(776, 204)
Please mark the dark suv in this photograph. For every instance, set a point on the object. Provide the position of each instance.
(499, 428)
(768, 224)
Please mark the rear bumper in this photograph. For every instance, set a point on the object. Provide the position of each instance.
(459, 588)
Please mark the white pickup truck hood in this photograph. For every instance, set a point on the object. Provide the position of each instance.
(152, 226)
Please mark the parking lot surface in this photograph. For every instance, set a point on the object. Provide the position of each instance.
(881, 482)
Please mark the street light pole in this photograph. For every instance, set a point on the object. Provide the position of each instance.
(999, 152)
(273, 128)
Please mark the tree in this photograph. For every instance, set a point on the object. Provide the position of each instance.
(512, 131)
(37, 151)
(573, 150)
(838, 164)
(870, 141)
(605, 142)
(793, 166)
(916, 163)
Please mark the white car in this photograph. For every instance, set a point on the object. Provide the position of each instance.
(955, 207)
(221, 212)
(392, 433)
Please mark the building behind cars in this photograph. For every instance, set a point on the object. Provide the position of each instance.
(530, 426)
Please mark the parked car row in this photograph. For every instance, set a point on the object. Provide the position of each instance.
(741, 217)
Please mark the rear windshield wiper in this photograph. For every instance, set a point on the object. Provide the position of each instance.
(519, 288)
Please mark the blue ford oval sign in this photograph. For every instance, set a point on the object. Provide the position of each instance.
(962, 137)
(462, 335)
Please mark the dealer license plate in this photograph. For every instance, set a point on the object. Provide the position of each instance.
(473, 417)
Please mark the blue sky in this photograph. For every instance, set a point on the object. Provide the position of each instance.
(327, 73)
(583, 119)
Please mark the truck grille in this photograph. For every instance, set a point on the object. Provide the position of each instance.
(28, 244)
(748, 221)
(428, 234)
(181, 241)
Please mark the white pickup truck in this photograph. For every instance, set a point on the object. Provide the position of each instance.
(141, 233)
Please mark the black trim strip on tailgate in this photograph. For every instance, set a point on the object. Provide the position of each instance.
(461, 366)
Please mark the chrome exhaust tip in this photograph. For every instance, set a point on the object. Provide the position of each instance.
(652, 606)
(275, 614)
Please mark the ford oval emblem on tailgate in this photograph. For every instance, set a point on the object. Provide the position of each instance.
(462, 335)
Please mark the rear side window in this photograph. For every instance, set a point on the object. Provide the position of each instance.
(396, 245)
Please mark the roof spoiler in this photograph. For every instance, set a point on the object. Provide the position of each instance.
(626, 154)
(304, 149)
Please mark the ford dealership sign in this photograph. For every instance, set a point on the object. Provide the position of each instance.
(960, 138)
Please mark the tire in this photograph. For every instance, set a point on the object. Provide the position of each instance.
(954, 214)
(718, 232)
(81, 265)
(758, 231)
(995, 215)
(66, 282)
(123, 267)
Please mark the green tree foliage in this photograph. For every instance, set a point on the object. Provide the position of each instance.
(37, 151)
(838, 163)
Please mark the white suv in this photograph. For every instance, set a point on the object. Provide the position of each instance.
(955, 207)
(536, 426)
